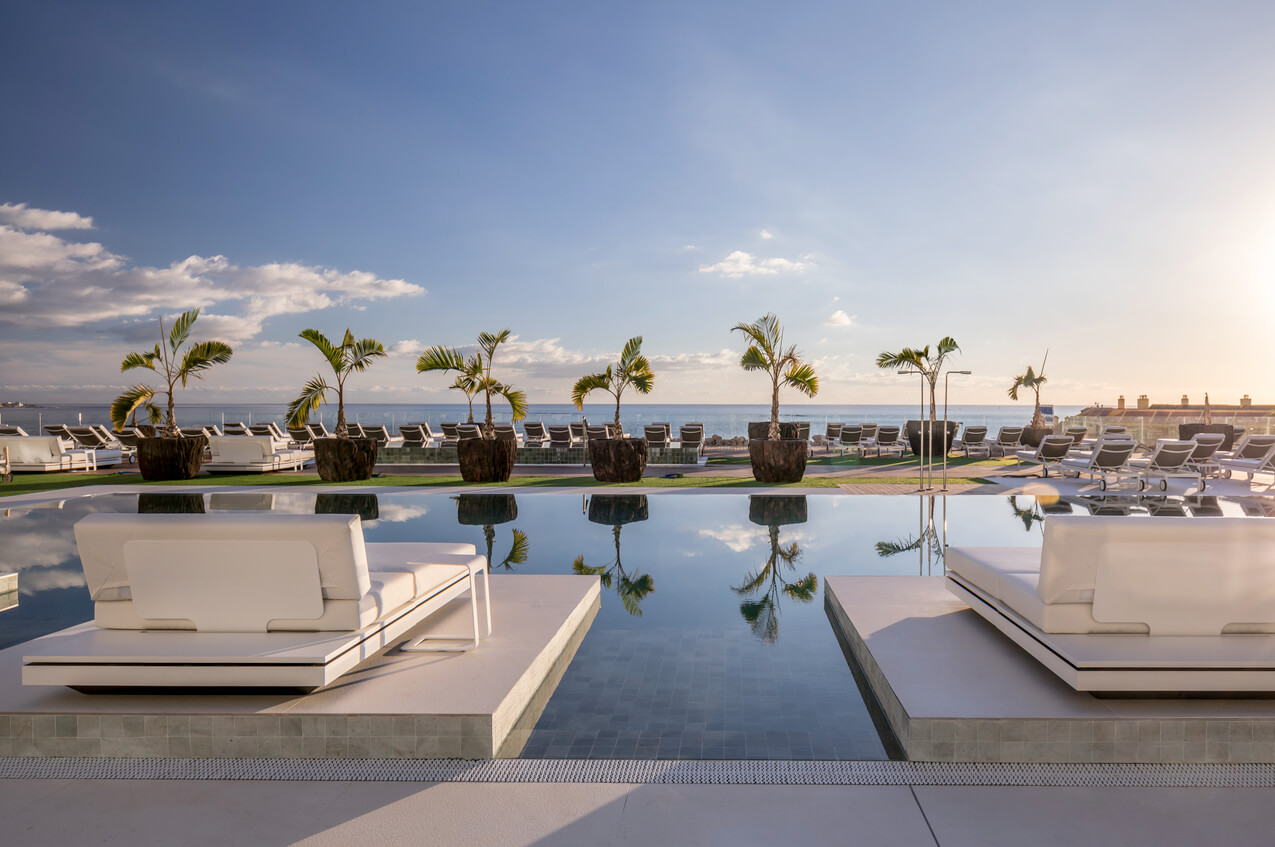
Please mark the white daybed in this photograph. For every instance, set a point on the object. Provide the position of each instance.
(253, 454)
(245, 601)
(47, 453)
(1126, 604)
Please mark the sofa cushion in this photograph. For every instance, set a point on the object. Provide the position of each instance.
(390, 590)
(337, 541)
(338, 616)
(1018, 591)
(983, 567)
(437, 571)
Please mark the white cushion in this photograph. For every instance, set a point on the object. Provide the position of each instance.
(338, 616)
(983, 567)
(1018, 591)
(337, 540)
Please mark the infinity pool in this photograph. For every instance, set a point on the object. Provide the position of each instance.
(712, 641)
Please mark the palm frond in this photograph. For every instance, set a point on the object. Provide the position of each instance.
(517, 402)
(311, 397)
(363, 352)
(764, 332)
(331, 352)
(753, 581)
(123, 405)
(201, 357)
(519, 551)
(441, 359)
(902, 360)
(802, 377)
(804, 589)
(754, 359)
(947, 345)
(642, 377)
(489, 341)
(140, 360)
(893, 548)
(180, 329)
(589, 383)
(632, 349)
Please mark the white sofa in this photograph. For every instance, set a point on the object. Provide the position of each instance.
(244, 600)
(47, 453)
(252, 453)
(1129, 604)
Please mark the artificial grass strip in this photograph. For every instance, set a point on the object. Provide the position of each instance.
(53, 482)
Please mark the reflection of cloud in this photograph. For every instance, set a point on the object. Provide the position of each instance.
(736, 537)
(397, 513)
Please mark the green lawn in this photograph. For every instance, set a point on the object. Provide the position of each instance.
(35, 484)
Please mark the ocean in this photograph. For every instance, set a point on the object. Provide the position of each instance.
(724, 420)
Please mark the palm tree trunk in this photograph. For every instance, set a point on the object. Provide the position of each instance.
(470, 398)
(1038, 419)
(617, 416)
(170, 422)
(934, 403)
(489, 428)
(773, 432)
(341, 429)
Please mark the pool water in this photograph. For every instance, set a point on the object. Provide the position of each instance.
(712, 640)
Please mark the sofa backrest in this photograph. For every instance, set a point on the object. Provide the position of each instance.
(241, 448)
(336, 541)
(1078, 547)
(32, 448)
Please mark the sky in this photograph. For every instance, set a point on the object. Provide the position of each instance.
(1095, 180)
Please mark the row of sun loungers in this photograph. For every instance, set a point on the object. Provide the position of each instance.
(536, 434)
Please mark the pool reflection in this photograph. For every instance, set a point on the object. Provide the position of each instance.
(763, 588)
(616, 510)
(489, 511)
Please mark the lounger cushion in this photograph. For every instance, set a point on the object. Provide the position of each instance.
(337, 540)
(338, 616)
(1018, 591)
(983, 567)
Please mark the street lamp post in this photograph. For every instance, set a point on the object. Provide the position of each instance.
(945, 444)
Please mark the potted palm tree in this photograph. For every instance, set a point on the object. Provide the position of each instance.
(1032, 381)
(774, 458)
(618, 459)
(170, 455)
(930, 366)
(483, 459)
(342, 458)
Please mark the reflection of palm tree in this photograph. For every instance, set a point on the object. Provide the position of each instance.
(929, 540)
(632, 588)
(1029, 516)
(762, 612)
(488, 510)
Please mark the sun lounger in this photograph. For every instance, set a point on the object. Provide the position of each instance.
(13, 430)
(506, 432)
(1051, 451)
(48, 453)
(246, 601)
(1204, 459)
(381, 436)
(656, 436)
(831, 435)
(692, 438)
(1109, 461)
(560, 437)
(1076, 433)
(450, 435)
(6, 470)
(411, 435)
(598, 432)
(1169, 459)
(1121, 604)
(534, 434)
(668, 428)
(886, 443)
(974, 442)
(272, 429)
(577, 431)
(464, 431)
(1008, 440)
(850, 438)
(252, 454)
(1253, 455)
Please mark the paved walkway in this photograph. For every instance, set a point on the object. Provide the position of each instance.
(141, 812)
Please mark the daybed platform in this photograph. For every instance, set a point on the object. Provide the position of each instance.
(1116, 604)
(952, 688)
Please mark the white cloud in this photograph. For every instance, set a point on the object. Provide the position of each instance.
(689, 247)
(407, 347)
(739, 264)
(46, 281)
(766, 235)
(24, 218)
(839, 318)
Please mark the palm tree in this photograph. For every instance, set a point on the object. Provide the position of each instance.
(349, 357)
(762, 613)
(1033, 382)
(929, 364)
(450, 359)
(170, 362)
(766, 353)
(633, 369)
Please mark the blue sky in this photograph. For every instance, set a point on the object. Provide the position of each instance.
(1092, 178)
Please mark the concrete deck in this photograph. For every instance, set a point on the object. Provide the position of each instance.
(145, 812)
(953, 688)
(394, 705)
